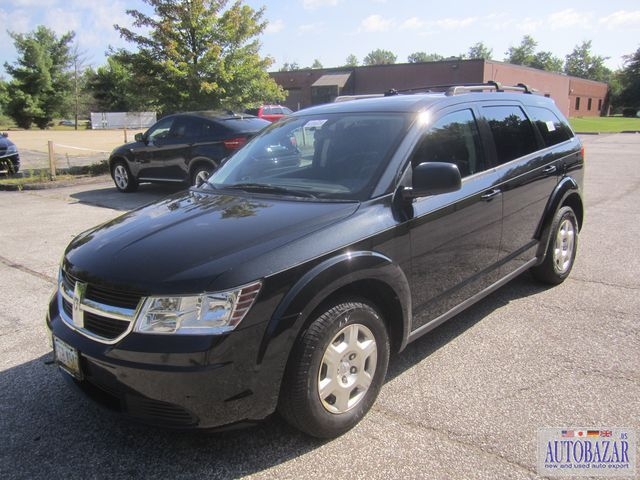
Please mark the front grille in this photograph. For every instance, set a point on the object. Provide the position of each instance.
(115, 298)
(103, 314)
(105, 327)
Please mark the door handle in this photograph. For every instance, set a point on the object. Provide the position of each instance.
(490, 194)
(549, 169)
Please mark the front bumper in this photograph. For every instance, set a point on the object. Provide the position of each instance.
(176, 381)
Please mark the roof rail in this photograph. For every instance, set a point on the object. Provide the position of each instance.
(458, 88)
(490, 85)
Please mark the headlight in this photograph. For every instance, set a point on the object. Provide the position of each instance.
(12, 149)
(206, 314)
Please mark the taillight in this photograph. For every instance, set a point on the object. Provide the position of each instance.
(235, 143)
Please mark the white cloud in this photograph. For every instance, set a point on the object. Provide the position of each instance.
(621, 19)
(413, 23)
(376, 23)
(455, 23)
(32, 3)
(569, 18)
(313, 4)
(529, 25)
(275, 26)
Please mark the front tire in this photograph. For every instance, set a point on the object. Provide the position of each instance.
(200, 175)
(561, 248)
(124, 181)
(336, 370)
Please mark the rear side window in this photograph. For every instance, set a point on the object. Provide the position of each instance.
(552, 129)
(246, 124)
(454, 138)
(512, 131)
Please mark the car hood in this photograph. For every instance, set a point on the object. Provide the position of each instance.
(126, 147)
(187, 242)
(5, 143)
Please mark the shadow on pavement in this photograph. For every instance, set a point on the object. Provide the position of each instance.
(110, 197)
(520, 287)
(56, 433)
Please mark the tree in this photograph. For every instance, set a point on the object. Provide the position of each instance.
(41, 81)
(316, 64)
(199, 54)
(479, 50)
(546, 61)
(630, 82)
(113, 88)
(522, 54)
(289, 67)
(379, 57)
(351, 61)
(419, 57)
(582, 63)
(525, 54)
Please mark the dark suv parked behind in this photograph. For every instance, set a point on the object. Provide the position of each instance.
(185, 147)
(287, 285)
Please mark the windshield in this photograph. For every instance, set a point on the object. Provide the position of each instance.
(332, 156)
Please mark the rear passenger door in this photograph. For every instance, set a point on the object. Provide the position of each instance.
(455, 237)
(527, 175)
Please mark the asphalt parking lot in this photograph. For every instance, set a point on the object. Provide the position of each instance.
(464, 402)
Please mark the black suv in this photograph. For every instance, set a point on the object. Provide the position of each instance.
(286, 287)
(9, 157)
(185, 147)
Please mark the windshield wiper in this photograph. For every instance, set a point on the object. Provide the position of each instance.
(266, 188)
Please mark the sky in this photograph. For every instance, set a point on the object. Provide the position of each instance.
(301, 31)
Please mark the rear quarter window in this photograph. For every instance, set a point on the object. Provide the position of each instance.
(241, 125)
(552, 129)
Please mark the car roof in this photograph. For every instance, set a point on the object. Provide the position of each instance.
(216, 115)
(416, 102)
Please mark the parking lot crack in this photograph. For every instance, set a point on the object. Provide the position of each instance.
(454, 437)
(633, 288)
(27, 270)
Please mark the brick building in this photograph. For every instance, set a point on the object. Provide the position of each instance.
(575, 97)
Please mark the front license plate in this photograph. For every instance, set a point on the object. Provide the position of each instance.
(67, 357)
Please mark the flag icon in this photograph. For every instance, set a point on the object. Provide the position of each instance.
(567, 433)
(593, 433)
(580, 434)
(605, 433)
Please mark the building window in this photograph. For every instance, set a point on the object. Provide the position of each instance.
(577, 103)
(589, 104)
(599, 104)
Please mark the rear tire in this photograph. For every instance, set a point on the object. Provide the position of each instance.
(336, 370)
(124, 181)
(561, 248)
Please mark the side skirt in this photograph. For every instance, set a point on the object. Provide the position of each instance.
(470, 301)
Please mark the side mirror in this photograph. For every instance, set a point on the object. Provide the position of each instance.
(433, 178)
(5, 134)
(139, 137)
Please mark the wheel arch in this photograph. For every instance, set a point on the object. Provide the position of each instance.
(202, 162)
(362, 275)
(567, 193)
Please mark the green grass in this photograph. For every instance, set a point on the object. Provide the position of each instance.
(604, 124)
(32, 178)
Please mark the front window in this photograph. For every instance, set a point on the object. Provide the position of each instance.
(160, 130)
(333, 156)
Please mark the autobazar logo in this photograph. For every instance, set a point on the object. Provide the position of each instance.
(586, 452)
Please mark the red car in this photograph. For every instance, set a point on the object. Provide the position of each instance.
(270, 112)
